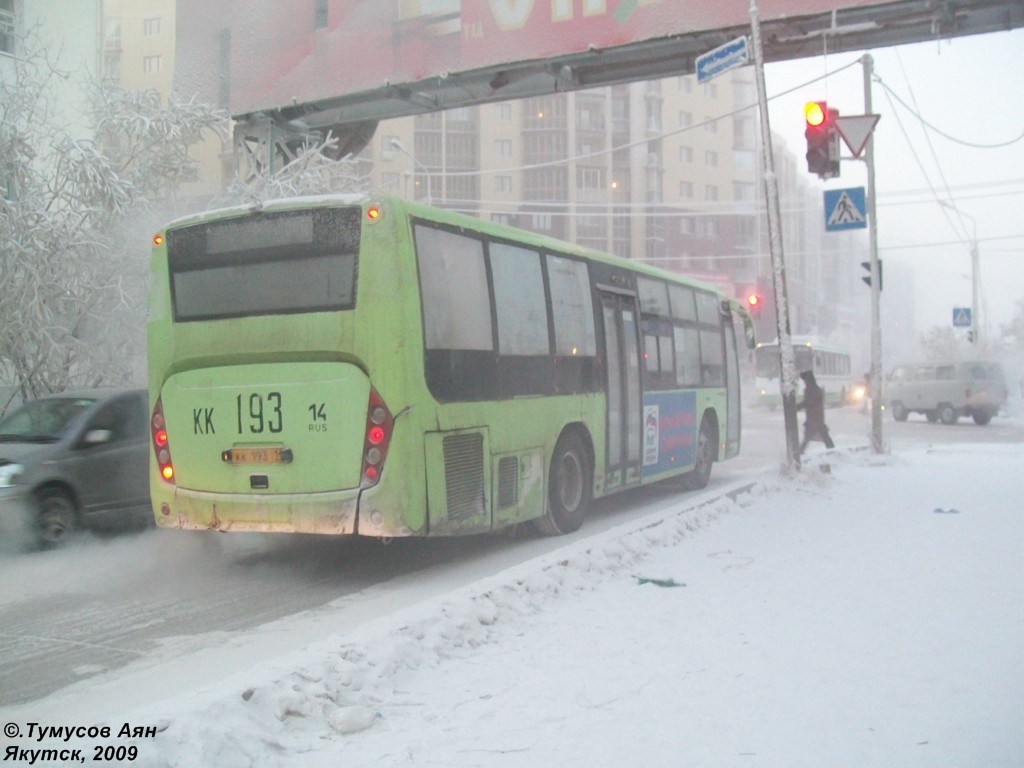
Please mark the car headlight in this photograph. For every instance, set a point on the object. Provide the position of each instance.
(10, 474)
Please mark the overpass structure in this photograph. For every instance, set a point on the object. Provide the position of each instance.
(291, 77)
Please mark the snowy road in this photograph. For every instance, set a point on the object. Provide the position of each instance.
(100, 605)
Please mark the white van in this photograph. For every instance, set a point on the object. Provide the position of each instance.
(946, 391)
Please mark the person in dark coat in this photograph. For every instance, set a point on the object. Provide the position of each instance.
(813, 406)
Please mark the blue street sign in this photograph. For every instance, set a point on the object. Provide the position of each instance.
(844, 209)
(735, 53)
(961, 317)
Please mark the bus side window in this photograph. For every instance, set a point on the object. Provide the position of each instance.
(453, 278)
(686, 337)
(572, 307)
(687, 348)
(519, 300)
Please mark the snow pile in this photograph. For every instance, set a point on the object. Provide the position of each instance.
(341, 686)
(868, 610)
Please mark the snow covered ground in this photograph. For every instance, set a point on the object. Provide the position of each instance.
(868, 612)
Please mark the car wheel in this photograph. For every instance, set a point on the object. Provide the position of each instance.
(570, 486)
(56, 518)
(948, 414)
(932, 416)
(898, 411)
(707, 442)
(982, 418)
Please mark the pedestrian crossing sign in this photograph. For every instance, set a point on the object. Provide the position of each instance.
(962, 317)
(844, 209)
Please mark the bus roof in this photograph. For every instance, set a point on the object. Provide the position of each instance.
(805, 341)
(444, 216)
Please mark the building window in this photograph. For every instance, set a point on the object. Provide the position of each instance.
(711, 124)
(710, 158)
(711, 192)
(504, 111)
(6, 26)
(685, 119)
(387, 149)
(503, 183)
(111, 35)
(503, 147)
(541, 222)
(151, 27)
(686, 154)
(151, 63)
(743, 190)
(320, 15)
(590, 178)
(686, 189)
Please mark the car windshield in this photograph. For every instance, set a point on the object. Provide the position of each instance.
(42, 421)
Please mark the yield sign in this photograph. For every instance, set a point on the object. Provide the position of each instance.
(855, 130)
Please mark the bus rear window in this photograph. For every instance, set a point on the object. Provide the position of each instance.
(266, 263)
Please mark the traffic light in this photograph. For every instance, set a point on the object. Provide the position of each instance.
(867, 278)
(822, 139)
(754, 301)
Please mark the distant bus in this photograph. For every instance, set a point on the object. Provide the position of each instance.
(831, 366)
(372, 366)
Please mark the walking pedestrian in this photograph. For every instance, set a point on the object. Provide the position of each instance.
(813, 406)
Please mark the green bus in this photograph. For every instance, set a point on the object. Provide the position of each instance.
(368, 365)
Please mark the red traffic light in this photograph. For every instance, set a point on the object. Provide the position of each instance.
(753, 300)
(815, 113)
(822, 136)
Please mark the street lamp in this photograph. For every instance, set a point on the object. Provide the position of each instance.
(396, 144)
(975, 303)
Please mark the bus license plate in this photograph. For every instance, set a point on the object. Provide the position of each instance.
(275, 455)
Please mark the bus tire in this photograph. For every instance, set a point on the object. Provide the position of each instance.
(948, 414)
(707, 444)
(570, 486)
(898, 411)
(56, 517)
(982, 417)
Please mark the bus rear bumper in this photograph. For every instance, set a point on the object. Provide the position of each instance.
(327, 513)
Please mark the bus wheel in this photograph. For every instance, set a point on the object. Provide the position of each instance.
(948, 414)
(981, 418)
(707, 442)
(898, 411)
(569, 488)
(55, 519)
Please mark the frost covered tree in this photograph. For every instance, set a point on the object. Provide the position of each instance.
(76, 216)
(313, 168)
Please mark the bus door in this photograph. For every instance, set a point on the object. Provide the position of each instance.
(625, 411)
(732, 389)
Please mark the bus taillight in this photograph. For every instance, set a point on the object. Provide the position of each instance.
(161, 444)
(378, 434)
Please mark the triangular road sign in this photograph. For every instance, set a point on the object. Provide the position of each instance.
(855, 130)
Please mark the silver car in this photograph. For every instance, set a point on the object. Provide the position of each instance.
(77, 459)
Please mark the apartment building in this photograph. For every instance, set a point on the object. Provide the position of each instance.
(667, 171)
(139, 52)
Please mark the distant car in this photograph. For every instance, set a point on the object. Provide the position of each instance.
(946, 391)
(75, 460)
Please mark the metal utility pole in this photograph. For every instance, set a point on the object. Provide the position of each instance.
(771, 188)
(875, 385)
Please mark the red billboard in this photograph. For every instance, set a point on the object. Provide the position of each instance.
(277, 54)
